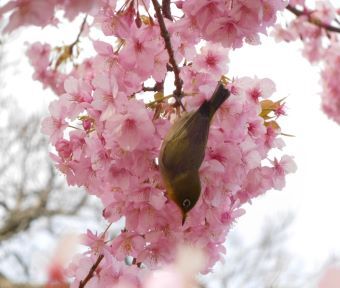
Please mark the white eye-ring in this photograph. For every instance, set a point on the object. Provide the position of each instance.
(186, 203)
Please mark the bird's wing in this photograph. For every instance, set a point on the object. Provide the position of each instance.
(184, 146)
(179, 126)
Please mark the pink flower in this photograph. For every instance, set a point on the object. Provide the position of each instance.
(160, 70)
(285, 165)
(127, 244)
(325, 12)
(55, 125)
(256, 88)
(233, 22)
(74, 7)
(131, 129)
(105, 95)
(40, 58)
(331, 90)
(142, 46)
(64, 148)
(281, 168)
(156, 254)
(226, 27)
(38, 55)
(113, 24)
(28, 12)
(77, 90)
(297, 2)
(213, 59)
(77, 96)
(94, 241)
(106, 58)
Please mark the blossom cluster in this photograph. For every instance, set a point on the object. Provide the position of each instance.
(107, 136)
(42, 12)
(317, 27)
(230, 22)
(39, 57)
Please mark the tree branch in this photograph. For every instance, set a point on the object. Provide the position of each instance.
(22, 263)
(313, 20)
(166, 9)
(165, 35)
(20, 219)
(82, 26)
(91, 272)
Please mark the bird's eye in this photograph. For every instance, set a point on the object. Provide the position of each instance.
(186, 203)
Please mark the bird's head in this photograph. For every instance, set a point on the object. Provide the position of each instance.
(185, 191)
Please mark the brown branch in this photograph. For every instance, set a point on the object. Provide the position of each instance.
(165, 35)
(158, 101)
(91, 272)
(22, 204)
(19, 219)
(313, 20)
(67, 52)
(148, 89)
(166, 9)
(4, 204)
(158, 87)
(82, 26)
(62, 212)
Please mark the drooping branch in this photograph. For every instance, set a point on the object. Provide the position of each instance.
(165, 35)
(313, 20)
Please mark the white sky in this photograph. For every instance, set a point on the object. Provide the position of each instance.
(312, 192)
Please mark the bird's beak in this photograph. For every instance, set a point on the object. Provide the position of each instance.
(184, 218)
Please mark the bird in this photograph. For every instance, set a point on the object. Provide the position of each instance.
(183, 149)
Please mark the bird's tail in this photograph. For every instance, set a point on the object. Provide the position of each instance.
(209, 107)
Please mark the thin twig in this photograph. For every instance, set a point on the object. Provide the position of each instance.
(148, 89)
(4, 205)
(22, 263)
(158, 87)
(91, 272)
(165, 35)
(158, 100)
(167, 97)
(67, 52)
(79, 33)
(313, 20)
